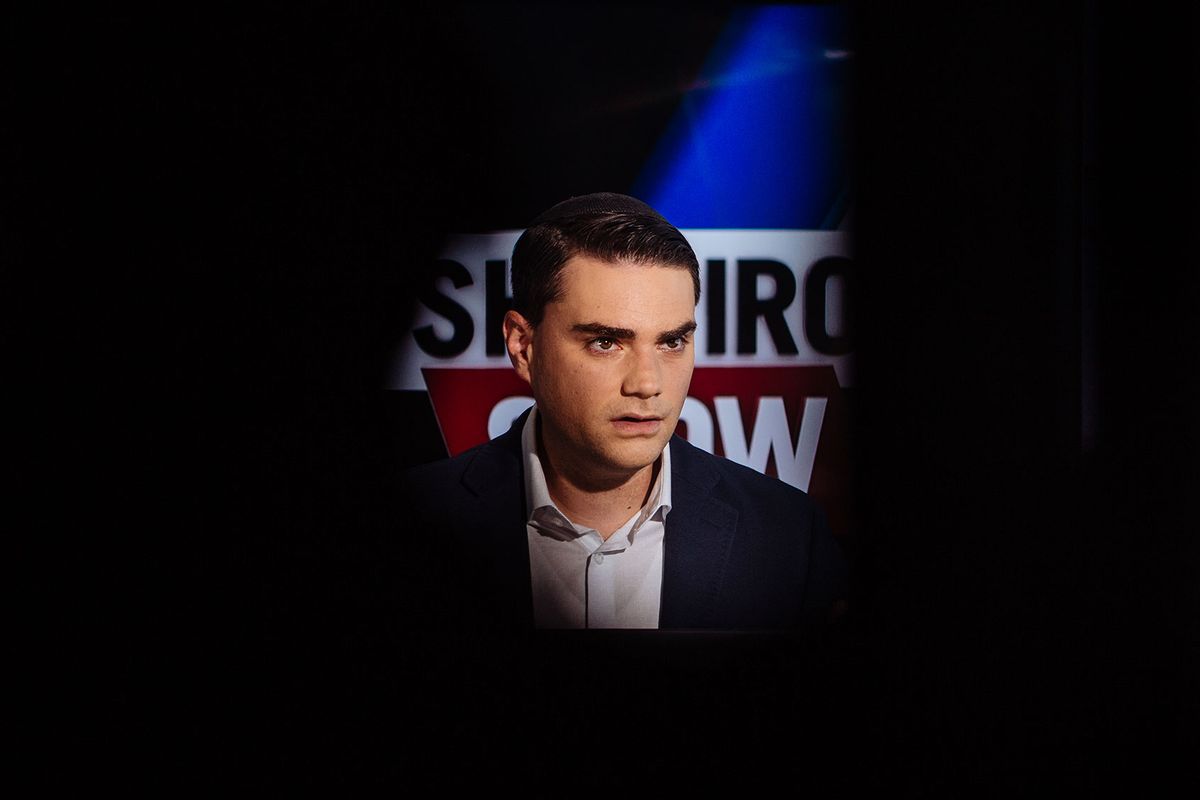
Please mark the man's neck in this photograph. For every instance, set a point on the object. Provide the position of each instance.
(602, 505)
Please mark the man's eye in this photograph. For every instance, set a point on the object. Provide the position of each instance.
(674, 344)
(604, 343)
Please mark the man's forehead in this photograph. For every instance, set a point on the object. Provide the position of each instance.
(626, 297)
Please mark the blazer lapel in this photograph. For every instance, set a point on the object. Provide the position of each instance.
(700, 530)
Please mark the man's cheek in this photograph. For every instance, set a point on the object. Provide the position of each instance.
(682, 381)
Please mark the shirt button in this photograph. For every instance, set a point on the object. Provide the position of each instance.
(598, 558)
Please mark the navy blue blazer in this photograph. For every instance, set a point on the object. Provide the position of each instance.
(741, 550)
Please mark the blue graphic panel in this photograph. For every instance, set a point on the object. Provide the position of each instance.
(761, 138)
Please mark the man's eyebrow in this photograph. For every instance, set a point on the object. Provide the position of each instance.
(677, 333)
(600, 329)
(608, 331)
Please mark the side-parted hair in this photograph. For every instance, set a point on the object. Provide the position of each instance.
(605, 226)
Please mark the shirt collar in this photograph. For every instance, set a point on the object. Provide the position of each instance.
(541, 506)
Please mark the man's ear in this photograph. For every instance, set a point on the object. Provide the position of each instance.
(518, 338)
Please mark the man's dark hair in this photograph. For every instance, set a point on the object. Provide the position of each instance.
(606, 226)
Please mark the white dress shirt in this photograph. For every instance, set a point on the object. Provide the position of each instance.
(579, 579)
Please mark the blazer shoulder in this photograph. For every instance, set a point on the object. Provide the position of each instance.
(441, 471)
(725, 477)
(425, 482)
(472, 470)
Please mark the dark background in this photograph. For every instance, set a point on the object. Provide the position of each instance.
(208, 217)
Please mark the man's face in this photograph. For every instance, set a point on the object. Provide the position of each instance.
(610, 365)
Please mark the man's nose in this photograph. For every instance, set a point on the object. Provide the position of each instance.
(644, 378)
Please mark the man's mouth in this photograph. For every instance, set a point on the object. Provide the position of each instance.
(637, 424)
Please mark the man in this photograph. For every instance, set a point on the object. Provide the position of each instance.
(589, 512)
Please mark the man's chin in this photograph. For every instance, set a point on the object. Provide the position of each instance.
(631, 457)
